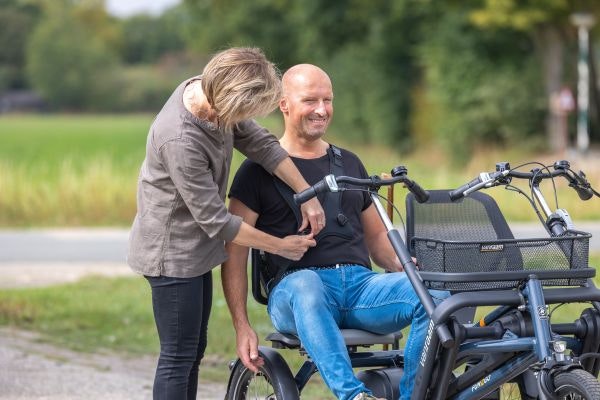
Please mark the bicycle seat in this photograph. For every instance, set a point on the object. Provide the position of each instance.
(352, 337)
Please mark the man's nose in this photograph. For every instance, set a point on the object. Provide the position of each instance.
(321, 109)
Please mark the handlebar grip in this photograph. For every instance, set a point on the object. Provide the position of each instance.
(584, 193)
(421, 195)
(311, 192)
(458, 193)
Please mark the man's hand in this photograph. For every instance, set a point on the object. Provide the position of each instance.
(294, 246)
(313, 215)
(247, 348)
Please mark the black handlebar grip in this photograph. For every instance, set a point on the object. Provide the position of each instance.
(421, 195)
(584, 193)
(305, 195)
(458, 193)
(311, 192)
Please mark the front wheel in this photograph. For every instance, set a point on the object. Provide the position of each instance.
(576, 384)
(274, 381)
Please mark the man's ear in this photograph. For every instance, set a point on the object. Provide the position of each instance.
(283, 106)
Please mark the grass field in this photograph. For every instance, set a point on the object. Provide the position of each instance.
(81, 170)
(100, 313)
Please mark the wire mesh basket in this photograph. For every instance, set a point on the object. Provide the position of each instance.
(501, 264)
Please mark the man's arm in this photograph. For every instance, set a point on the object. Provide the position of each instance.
(377, 241)
(234, 277)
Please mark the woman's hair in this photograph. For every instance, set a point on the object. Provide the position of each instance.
(240, 83)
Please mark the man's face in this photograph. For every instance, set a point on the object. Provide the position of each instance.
(308, 105)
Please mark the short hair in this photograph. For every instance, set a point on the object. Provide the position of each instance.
(240, 83)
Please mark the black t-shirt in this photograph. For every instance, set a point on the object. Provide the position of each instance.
(255, 188)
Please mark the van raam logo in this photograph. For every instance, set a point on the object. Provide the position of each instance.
(480, 384)
(484, 248)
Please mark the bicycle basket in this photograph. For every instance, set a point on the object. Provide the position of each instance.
(500, 264)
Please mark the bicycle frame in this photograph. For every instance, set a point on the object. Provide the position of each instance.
(514, 342)
(531, 351)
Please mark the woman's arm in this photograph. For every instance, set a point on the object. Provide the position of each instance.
(312, 212)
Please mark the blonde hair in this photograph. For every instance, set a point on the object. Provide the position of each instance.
(240, 83)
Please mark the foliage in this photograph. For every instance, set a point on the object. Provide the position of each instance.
(529, 15)
(17, 21)
(463, 73)
(69, 65)
(147, 38)
(485, 83)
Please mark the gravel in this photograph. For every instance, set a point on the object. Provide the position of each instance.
(32, 369)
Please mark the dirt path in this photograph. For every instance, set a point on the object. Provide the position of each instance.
(32, 369)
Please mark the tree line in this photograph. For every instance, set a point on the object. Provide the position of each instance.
(405, 72)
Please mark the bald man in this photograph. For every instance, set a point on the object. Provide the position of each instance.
(332, 286)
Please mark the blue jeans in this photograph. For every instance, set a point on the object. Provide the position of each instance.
(181, 311)
(315, 303)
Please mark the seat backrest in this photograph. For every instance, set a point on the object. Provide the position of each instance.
(259, 286)
(472, 218)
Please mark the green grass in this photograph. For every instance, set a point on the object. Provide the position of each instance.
(81, 170)
(115, 314)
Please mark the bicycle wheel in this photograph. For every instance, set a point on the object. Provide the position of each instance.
(577, 384)
(274, 381)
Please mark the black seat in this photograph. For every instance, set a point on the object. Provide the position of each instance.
(476, 217)
(473, 218)
(352, 337)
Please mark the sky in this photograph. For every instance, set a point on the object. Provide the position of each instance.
(127, 8)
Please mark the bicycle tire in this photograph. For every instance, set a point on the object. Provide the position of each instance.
(273, 381)
(576, 384)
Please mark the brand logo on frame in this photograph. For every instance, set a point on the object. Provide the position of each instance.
(491, 247)
(480, 384)
(426, 344)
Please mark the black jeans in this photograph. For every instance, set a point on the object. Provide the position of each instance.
(181, 311)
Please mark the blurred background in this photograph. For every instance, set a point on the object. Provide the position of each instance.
(446, 88)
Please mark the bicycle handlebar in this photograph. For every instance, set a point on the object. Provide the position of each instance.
(330, 184)
(561, 168)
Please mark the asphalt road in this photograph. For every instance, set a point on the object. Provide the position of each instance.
(79, 247)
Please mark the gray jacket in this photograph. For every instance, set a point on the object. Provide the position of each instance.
(182, 222)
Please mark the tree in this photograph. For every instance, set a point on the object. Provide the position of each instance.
(547, 21)
(17, 22)
(68, 64)
(146, 38)
(484, 82)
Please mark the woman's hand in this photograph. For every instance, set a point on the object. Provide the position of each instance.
(294, 246)
(313, 215)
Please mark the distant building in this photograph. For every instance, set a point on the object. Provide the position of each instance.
(21, 101)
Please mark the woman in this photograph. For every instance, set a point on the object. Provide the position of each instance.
(182, 223)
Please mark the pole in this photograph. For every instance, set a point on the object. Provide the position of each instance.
(583, 22)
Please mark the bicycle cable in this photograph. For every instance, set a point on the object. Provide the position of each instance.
(387, 201)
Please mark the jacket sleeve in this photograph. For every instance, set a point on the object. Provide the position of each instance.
(258, 144)
(189, 169)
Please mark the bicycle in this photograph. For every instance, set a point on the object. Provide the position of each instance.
(515, 342)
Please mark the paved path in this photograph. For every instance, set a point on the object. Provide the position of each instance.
(82, 248)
